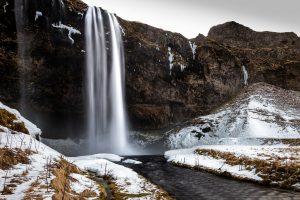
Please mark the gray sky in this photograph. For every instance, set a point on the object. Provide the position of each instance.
(191, 17)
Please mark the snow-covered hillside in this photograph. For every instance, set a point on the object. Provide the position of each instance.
(254, 137)
(30, 169)
(261, 113)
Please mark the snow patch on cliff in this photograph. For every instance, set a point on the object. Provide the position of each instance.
(37, 15)
(4, 6)
(69, 28)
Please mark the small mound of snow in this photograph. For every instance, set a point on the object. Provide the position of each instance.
(131, 161)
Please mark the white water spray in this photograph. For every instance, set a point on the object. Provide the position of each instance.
(105, 76)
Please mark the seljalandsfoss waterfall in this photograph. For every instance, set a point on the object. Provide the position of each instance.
(105, 76)
(94, 106)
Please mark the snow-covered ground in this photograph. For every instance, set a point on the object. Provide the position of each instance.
(130, 184)
(40, 177)
(253, 129)
(244, 162)
(24, 175)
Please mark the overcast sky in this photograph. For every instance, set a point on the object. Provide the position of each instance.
(191, 17)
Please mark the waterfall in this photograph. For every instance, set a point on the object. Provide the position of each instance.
(24, 40)
(245, 75)
(105, 77)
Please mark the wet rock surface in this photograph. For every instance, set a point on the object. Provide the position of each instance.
(169, 78)
(182, 183)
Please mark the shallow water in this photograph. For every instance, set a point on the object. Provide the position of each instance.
(187, 184)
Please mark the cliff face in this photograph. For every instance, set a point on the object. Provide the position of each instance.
(270, 57)
(167, 82)
(168, 78)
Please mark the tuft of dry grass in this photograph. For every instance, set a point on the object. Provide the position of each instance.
(285, 172)
(11, 157)
(87, 194)
(9, 120)
(61, 182)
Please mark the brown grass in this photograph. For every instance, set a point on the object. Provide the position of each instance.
(11, 157)
(160, 194)
(8, 120)
(271, 170)
(61, 182)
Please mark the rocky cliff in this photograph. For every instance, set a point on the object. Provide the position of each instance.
(169, 78)
(270, 57)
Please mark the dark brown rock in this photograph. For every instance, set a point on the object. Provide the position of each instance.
(270, 57)
(156, 95)
(234, 34)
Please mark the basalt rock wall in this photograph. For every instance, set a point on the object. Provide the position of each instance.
(169, 78)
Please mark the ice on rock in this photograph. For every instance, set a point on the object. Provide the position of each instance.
(69, 28)
(171, 58)
(37, 15)
(4, 6)
(246, 76)
(193, 47)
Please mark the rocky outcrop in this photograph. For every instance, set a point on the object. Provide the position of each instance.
(167, 83)
(269, 57)
(234, 34)
(168, 78)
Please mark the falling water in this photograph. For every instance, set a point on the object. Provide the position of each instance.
(105, 73)
(24, 40)
(245, 75)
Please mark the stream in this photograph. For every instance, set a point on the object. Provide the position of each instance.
(187, 184)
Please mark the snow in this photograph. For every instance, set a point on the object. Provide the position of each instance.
(82, 183)
(245, 75)
(250, 119)
(4, 6)
(126, 179)
(37, 15)
(171, 59)
(123, 31)
(35, 169)
(69, 28)
(131, 161)
(32, 129)
(263, 152)
(193, 47)
(110, 157)
(81, 14)
(214, 164)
